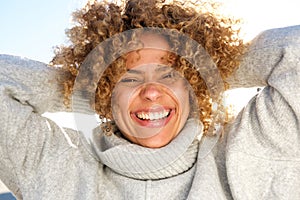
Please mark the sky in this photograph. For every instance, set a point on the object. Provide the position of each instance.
(32, 28)
(259, 15)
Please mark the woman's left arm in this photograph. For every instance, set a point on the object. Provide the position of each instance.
(263, 149)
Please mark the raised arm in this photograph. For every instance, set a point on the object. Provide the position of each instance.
(27, 89)
(263, 152)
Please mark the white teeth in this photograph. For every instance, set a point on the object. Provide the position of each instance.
(153, 115)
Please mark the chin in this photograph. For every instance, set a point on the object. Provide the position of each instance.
(153, 142)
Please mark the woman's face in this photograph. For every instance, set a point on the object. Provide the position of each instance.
(151, 100)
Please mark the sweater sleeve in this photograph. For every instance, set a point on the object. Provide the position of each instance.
(263, 149)
(265, 52)
(27, 89)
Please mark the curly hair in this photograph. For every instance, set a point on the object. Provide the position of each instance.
(98, 21)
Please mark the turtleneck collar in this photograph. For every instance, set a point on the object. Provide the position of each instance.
(139, 162)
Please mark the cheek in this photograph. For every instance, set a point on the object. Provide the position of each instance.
(182, 94)
(117, 102)
(184, 104)
(185, 101)
(122, 97)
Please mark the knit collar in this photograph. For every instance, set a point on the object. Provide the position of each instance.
(139, 162)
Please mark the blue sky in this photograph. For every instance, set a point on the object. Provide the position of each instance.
(31, 28)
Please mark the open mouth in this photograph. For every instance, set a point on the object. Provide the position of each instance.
(153, 115)
(153, 118)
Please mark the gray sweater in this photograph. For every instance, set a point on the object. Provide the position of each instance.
(259, 157)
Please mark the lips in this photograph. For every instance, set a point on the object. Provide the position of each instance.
(153, 118)
(153, 115)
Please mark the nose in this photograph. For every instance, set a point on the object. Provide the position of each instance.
(151, 92)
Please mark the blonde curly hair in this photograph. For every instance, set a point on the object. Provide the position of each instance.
(99, 21)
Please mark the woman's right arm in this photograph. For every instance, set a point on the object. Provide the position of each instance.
(263, 146)
(27, 90)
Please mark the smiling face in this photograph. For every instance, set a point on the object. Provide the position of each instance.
(151, 101)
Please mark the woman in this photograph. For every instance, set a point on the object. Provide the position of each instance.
(154, 147)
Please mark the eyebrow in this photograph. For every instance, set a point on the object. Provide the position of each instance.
(162, 68)
(133, 71)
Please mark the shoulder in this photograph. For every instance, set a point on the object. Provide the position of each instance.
(11, 60)
(277, 37)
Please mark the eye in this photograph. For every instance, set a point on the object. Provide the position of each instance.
(168, 75)
(129, 80)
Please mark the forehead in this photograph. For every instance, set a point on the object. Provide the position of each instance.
(154, 41)
(153, 67)
(155, 49)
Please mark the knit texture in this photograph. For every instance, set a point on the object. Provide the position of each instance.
(258, 157)
(147, 163)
